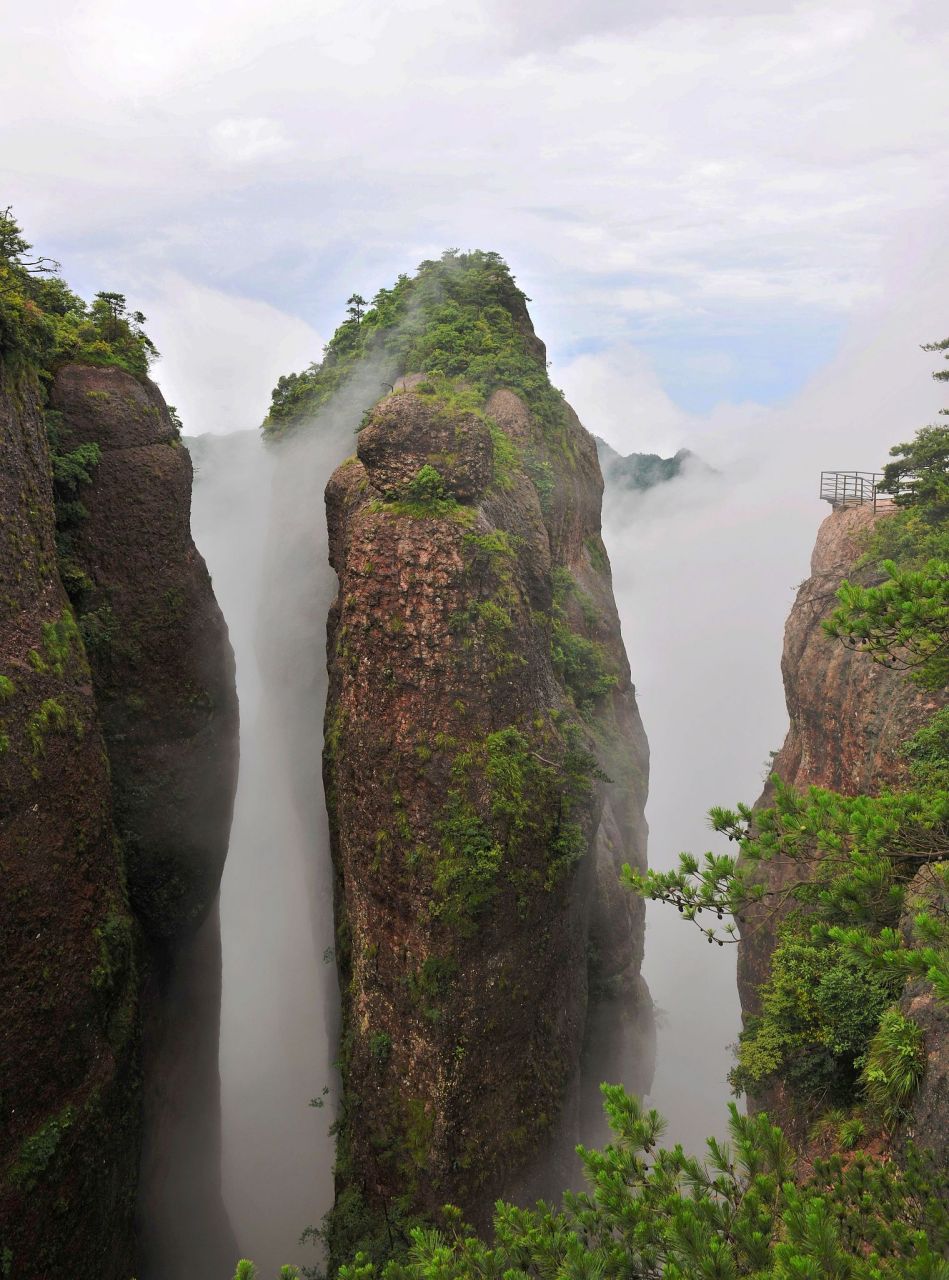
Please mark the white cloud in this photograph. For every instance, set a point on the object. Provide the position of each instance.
(222, 355)
(248, 141)
(692, 159)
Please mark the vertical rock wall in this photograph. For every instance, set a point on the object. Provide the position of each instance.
(479, 699)
(163, 674)
(70, 1095)
(848, 719)
(119, 760)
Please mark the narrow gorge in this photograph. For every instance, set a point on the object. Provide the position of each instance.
(395, 961)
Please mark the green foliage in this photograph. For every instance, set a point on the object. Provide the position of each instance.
(903, 623)
(425, 498)
(427, 488)
(461, 317)
(580, 663)
(380, 1047)
(464, 877)
(44, 324)
(894, 1066)
(859, 853)
(512, 814)
(825, 1028)
(920, 474)
(49, 717)
(819, 1011)
(658, 1214)
(247, 1271)
(38, 1150)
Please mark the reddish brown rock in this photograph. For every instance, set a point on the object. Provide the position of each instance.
(158, 646)
(70, 1096)
(466, 975)
(848, 714)
(458, 446)
(163, 674)
(848, 719)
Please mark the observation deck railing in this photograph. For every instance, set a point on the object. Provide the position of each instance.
(857, 489)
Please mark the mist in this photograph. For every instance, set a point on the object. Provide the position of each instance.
(705, 570)
(258, 518)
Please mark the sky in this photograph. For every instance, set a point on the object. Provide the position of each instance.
(730, 216)
(706, 194)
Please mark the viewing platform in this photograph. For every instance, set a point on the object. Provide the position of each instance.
(857, 489)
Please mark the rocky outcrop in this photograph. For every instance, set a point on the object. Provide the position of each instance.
(69, 982)
(479, 700)
(158, 647)
(163, 674)
(848, 717)
(848, 714)
(120, 725)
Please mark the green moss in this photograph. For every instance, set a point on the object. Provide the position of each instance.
(513, 817)
(597, 553)
(7, 688)
(581, 664)
(39, 1149)
(380, 1047)
(49, 718)
(507, 456)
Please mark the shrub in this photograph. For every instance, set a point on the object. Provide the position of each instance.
(894, 1066)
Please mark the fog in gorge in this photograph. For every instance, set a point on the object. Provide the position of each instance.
(278, 1016)
(705, 569)
(258, 519)
(704, 573)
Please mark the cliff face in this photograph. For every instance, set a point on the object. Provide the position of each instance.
(160, 657)
(479, 698)
(848, 717)
(68, 975)
(127, 791)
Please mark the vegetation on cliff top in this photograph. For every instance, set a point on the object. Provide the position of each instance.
(461, 316)
(827, 1028)
(43, 324)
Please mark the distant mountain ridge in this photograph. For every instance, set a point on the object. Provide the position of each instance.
(643, 470)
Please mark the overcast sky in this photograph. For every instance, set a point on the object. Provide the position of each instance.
(709, 192)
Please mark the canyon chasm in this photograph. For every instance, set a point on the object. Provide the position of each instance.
(407, 906)
(485, 771)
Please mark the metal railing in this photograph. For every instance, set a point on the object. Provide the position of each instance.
(855, 489)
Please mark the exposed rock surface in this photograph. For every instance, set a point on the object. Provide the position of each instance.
(477, 851)
(70, 1094)
(457, 445)
(161, 660)
(848, 717)
(130, 713)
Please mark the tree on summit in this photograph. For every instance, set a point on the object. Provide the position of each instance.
(356, 307)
